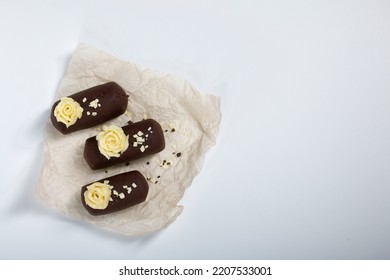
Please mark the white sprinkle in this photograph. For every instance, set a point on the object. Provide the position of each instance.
(140, 140)
(121, 195)
(115, 192)
(129, 190)
(88, 113)
(166, 163)
(147, 135)
(94, 113)
(146, 146)
(172, 125)
(84, 99)
(135, 144)
(106, 182)
(140, 133)
(110, 198)
(94, 103)
(142, 149)
(149, 128)
(134, 185)
(125, 187)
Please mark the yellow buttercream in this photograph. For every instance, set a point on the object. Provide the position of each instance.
(112, 141)
(98, 195)
(68, 111)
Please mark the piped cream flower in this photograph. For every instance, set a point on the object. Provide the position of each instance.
(112, 141)
(98, 195)
(68, 111)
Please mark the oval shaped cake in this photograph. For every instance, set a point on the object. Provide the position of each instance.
(114, 193)
(116, 145)
(88, 108)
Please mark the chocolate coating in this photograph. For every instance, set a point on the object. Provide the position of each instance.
(137, 194)
(154, 139)
(113, 101)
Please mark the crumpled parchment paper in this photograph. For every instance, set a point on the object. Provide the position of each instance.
(189, 118)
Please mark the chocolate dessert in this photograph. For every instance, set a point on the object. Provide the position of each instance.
(114, 193)
(116, 145)
(88, 108)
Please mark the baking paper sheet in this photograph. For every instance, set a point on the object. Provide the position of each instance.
(189, 118)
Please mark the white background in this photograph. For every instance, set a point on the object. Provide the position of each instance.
(301, 169)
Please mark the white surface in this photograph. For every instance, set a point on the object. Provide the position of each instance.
(301, 168)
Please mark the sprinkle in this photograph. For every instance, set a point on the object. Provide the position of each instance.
(84, 99)
(110, 198)
(178, 155)
(106, 182)
(121, 195)
(166, 130)
(134, 185)
(127, 163)
(129, 190)
(165, 163)
(125, 187)
(94, 103)
(172, 126)
(148, 163)
(140, 133)
(151, 179)
(115, 192)
(135, 144)
(149, 128)
(135, 136)
(106, 171)
(94, 113)
(88, 113)
(142, 149)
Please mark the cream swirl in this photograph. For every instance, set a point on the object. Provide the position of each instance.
(68, 111)
(98, 195)
(112, 141)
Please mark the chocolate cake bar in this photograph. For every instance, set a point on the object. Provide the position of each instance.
(114, 193)
(88, 108)
(116, 145)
